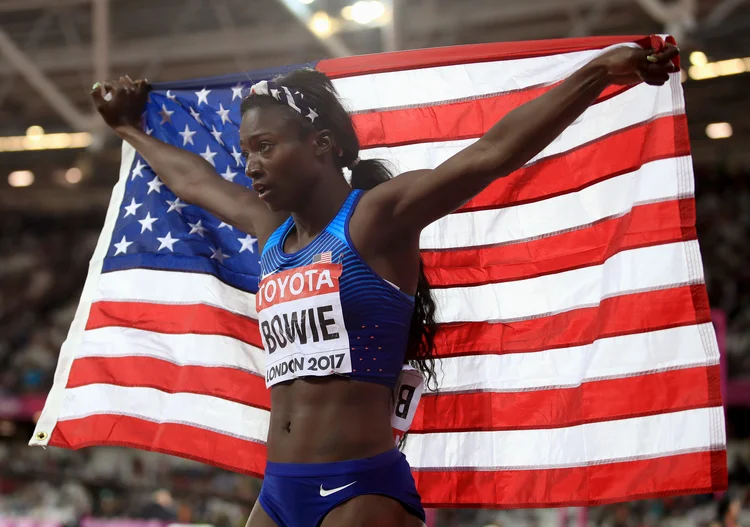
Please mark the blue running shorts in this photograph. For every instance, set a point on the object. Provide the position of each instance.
(302, 494)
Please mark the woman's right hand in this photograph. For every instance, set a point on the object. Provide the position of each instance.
(121, 103)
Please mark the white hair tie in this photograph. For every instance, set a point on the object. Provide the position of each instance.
(294, 99)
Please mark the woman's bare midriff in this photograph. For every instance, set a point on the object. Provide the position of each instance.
(322, 420)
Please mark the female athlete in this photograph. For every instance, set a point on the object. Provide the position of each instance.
(341, 299)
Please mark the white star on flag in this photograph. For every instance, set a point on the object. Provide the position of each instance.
(237, 156)
(122, 247)
(130, 209)
(166, 115)
(203, 96)
(222, 225)
(217, 135)
(187, 136)
(197, 228)
(224, 114)
(196, 115)
(209, 156)
(149, 131)
(312, 115)
(218, 255)
(237, 91)
(138, 169)
(247, 243)
(147, 222)
(155, 185)
(170, 96)
(167, 242)
(176, 205)
(228, 174)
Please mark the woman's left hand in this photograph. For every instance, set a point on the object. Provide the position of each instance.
(626, 65)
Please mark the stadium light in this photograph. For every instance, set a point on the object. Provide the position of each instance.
(719, 130)
(43, 141)
(35, 131)
(698, 58)
(306, 2)
(321, 24)
(21, 178)
(363, 12)
(73, 175)
(722, 68)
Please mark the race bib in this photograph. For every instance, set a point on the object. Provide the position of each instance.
(406, 394)
(302, 323)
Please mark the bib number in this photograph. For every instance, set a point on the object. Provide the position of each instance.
(406, 394)
(302, 323)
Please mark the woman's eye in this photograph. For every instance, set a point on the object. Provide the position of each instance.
(265, 146)
(245, 154)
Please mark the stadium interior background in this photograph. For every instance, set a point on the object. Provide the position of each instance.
(53, 200)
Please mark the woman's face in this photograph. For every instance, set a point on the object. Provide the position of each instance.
(281, 156)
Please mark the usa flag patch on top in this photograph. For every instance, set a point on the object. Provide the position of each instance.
(325, 257)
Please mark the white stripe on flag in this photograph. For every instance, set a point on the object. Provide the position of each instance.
(612, 357)
(656, 181)
(201, 411)
(167, 287)
(460, 81)
(642, 269)
(591, 443)
(181, 349)
(635, 106)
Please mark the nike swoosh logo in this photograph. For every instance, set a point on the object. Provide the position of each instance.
(324, 492)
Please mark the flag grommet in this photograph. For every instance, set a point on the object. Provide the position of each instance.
(41, 436)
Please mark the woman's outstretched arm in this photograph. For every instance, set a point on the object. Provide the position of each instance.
(188, 175)
(414, 200)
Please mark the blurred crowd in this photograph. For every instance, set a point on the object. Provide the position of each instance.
(43, 265)
(723, 223)
(63, 487)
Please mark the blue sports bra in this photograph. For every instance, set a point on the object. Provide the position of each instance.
(323, 311)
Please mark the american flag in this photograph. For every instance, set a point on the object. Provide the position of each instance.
(577, 361)
(322, 257)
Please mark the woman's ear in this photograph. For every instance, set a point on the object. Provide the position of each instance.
(324, 142)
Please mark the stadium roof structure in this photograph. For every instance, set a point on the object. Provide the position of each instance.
(52, 50)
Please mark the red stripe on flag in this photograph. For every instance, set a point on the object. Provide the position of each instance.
(228, 383)
(620, 315)
(452, 121)
(643, 226)
(435, 57)
(174, 319)
(595, 401)
(190, 442)
(549, 408)
(607, 157)
(694, 473)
